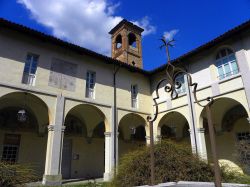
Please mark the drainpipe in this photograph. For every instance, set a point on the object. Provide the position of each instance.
(116, 69)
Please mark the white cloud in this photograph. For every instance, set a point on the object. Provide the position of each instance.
(82, 22)
(169, 35)
(145, 23)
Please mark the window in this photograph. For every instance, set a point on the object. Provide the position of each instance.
(134, 96)
(10, 148)
(180, 79)
(244, 148)
(243, 136)
(226, 63)
(90, 84)
(30, 67)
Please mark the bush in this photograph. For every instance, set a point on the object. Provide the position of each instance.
(173, 162)
(16, 174)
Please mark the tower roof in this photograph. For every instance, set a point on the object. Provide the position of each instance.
(126, 22)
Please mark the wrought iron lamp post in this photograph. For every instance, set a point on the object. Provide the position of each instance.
(171, 87)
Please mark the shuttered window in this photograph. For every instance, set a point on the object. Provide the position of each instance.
(30, 67)
(134, 96)
(90, 84)
(226, 64)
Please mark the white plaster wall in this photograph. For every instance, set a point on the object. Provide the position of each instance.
(14, 48)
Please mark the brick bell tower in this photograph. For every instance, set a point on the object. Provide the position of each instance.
(126, 43)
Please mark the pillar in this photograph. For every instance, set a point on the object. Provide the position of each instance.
(192, 138)
(192, 114)
(52, 174)
(201, 143)
(245, 72)
(158, 139)
(107, 176)
(147, 140)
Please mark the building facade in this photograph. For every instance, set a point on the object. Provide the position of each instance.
(72, 113)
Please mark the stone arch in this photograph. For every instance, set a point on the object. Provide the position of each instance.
(88, 124)
(229, 118)
(118, 41)
(32, 103)
(28, 134)
(129, 121)
(90, 115)
(132, 40)
(173, 125)
(224, 104)
(132, 133)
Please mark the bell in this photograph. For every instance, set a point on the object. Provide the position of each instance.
(21, 115)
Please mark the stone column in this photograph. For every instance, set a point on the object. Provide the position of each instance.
(158, 138)
(117, 149)
(52, 174)
(107, 176)
(193, 124)
(192, 138)
(245, 72)
(201, 143)
(147, 140)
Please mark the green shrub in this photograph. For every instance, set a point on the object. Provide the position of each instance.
(173, 162)
(16, 174)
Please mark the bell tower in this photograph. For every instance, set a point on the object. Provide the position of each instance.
(126, 43)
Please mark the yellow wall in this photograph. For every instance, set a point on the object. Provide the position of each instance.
(32, 149)
(91, 157)
(13, 55)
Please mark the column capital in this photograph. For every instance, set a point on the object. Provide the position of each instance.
(201, 130)
(51, 127)
(63, 128)
(158, 137)
(107, 134)
(56, 128)
(190, 131)
(248, 119)
(147, 137)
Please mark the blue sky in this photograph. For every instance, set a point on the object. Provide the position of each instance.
(86, 22)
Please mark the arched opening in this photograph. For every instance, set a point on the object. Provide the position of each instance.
(118, 41)
(23, 130)
(174, 126)
(132, 40)
(132, 133)
(83, 147)
(231, 127)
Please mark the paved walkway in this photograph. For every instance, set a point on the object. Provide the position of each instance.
(196, 184)
(68, 182)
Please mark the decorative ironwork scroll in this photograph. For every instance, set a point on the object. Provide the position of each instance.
(172, 85)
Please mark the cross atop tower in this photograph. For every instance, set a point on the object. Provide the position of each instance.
(126, 43)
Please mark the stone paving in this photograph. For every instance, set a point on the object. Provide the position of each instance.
(196, 184)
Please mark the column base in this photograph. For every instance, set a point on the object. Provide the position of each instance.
(52, 180)
(107, 177)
